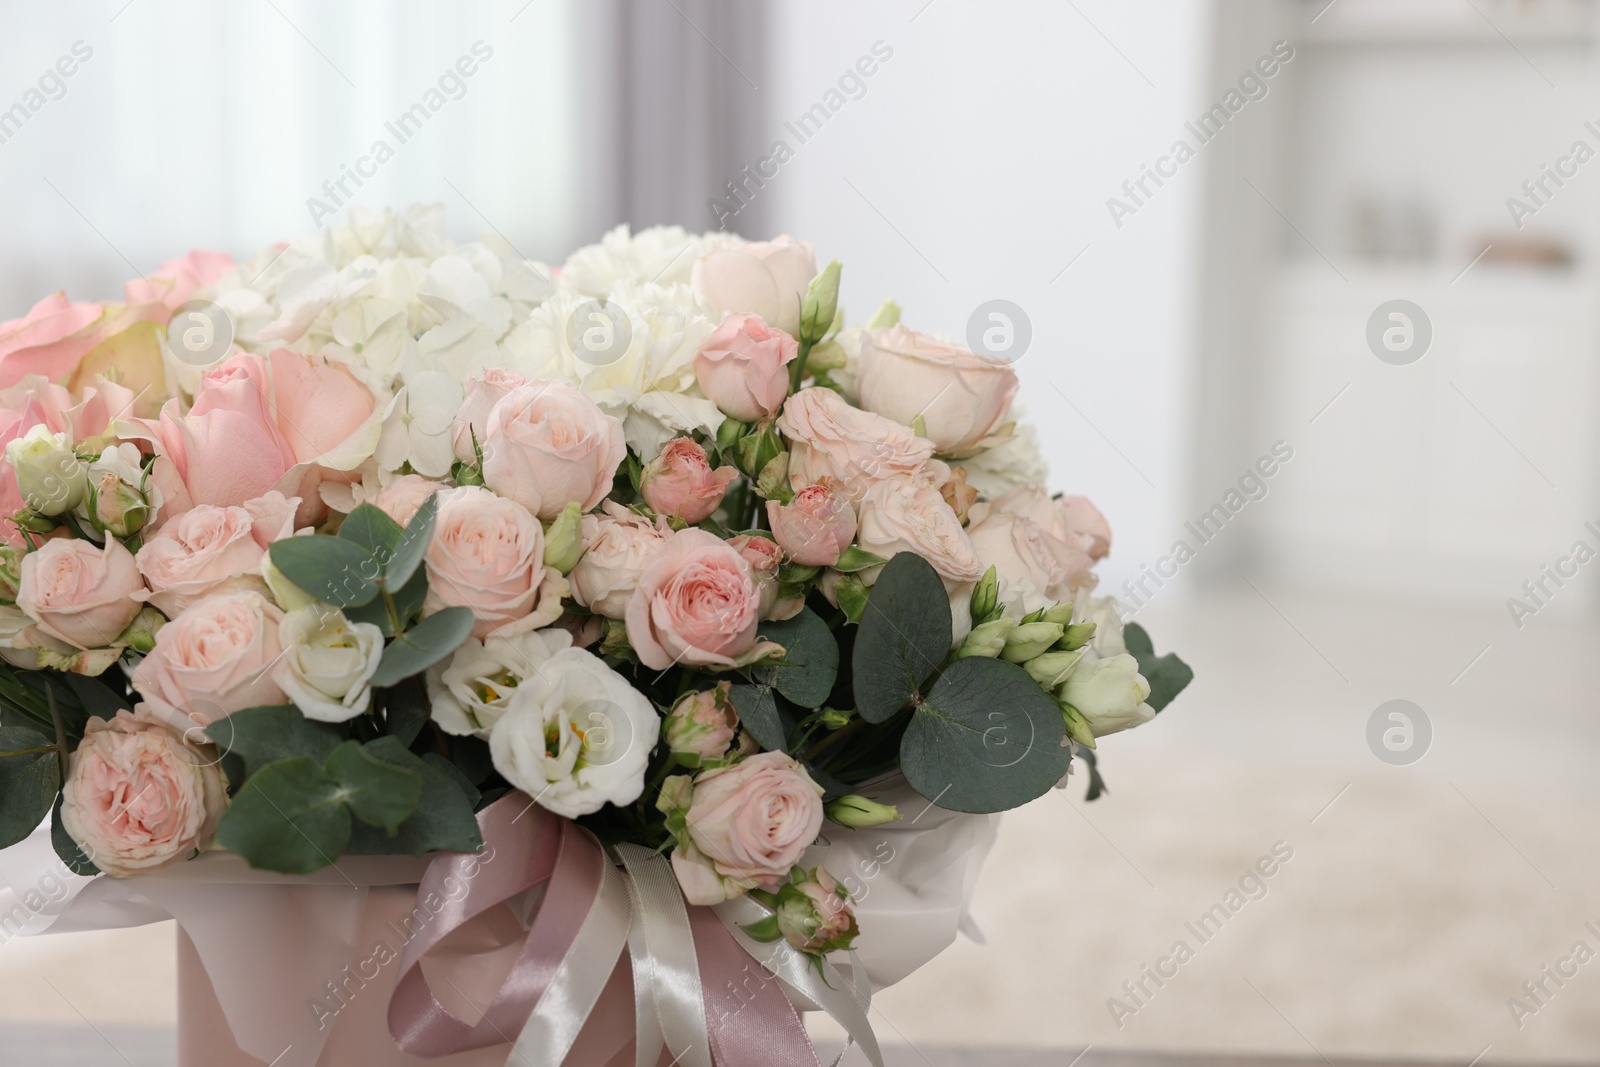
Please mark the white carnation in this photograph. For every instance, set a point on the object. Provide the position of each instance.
(1011, 465)
(661, 254)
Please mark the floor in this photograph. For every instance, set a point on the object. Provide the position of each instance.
(1417, 900)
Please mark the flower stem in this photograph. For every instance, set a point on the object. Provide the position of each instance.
(797, 372)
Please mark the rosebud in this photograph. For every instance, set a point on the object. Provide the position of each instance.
(765, 558)
(986, 596)
(986, 639)
(1052, 668)
(140, 634)
(816, 528)
(563, 539)
(814, 914)
(701, 725)
(821, 304)
(49, 473)
(680, 483)
(1030, 640)
(117, 507)
(290, 597)
(859, 813)
(10, 572)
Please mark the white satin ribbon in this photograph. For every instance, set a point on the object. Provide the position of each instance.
(671, 969)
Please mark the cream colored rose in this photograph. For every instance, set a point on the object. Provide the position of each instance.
(138, 796)
(618, 545)
(487, 554)
(852, 448)
(327, 662)
(765, 278)
(959, 395)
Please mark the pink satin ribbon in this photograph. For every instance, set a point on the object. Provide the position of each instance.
(750, 1018)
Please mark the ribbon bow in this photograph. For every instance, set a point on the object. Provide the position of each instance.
(702, 989)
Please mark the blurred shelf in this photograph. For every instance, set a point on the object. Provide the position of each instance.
(1450, 22)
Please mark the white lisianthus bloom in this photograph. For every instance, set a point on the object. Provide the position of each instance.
(473, 690)
(1106, 614)
(327, 663)
(1110, 693)
(660, 254)
(1012, 464)
(576, 736)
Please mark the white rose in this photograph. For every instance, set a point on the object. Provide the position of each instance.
(473, 691)
(576, 736)
(327, 662)
(959, 395)
(51, 476)
(1110, 693)
(766, 278)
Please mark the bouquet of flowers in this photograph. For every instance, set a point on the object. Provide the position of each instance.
(324, 553)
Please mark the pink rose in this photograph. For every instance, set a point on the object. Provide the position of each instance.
(79, 592)
(742, 367)
(697, 603)
(210, 550)
(765, 278)
(137, 796)
(680, 482)
(1023, 556)
(33, 401)
(618, 545)
(175, 281)
(1076, 532)
(487, 554)
(960, 395)
(214, 659)
(747, 825)
(816, 527)
(815, 915)
(259, 424)
(909, 514)
(765, 557)
(483, 391)
(547, 445)
(50, 340)
(830, 439)
(701, 726)
(403, 497)
(1085, 520)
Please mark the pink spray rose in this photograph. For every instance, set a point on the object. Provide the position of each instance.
(210, 550)
(401, 498)
(483, 390)
(138, 796)
(746, 826)
(34, 401)
(680, 482)
(814, 914)
(1024, 557)
(765, 278)
(1076, 532)
(765, 557)
(79, 592)
(701, 726)
(212, 660)
(546, 445)
(697, 603)
(618, 545)
(816, 527)
(909, 514)
(960, 395)
(487, 554)
(830, 439)
(742, 367)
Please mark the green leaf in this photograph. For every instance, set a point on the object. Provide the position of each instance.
(764, 930)
(290, 817)
(443, 821)
(1167, 675)
(66, 848)
(425, 644)
(452, 772)
(905, 635)
(987, 738)
(407, 602)
(758, 711)
(857, 559)
(330, 569)
(810, 660)
(379, 792)
(406, 712)
(29, 781)
(264, 735)
(413, 544)
(373, 530)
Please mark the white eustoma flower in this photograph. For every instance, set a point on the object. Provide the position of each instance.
(1109, 692)
(417, 425)
(576, 736)
(660, 254)
(327, 662)
(473, 691)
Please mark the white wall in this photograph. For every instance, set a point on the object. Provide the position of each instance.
(990, 142)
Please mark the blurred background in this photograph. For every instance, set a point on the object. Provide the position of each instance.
(1350, 241)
